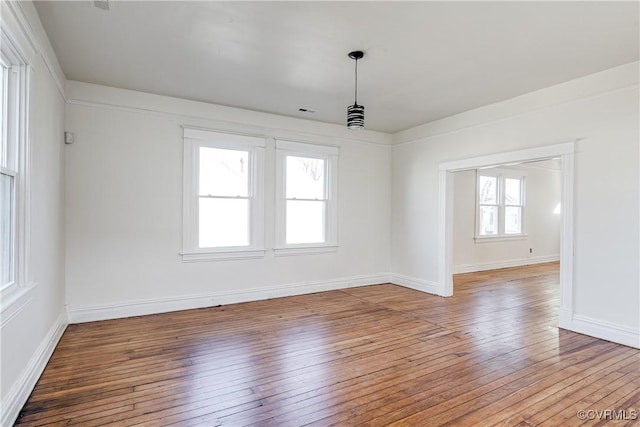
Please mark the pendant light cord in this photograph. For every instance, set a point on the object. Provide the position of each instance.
(356, 91)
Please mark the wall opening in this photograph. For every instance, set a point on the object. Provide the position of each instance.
(506, 216)
(563, 152)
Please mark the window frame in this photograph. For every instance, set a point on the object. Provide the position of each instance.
(15, 129)
(194, 139)
(501, 176)
(330, 155)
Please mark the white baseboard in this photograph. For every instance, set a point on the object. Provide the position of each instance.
(417, 284)
(22, 388)
(494, 265)
(601, 329)
(187, 302)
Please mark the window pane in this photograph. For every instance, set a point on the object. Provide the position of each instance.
(223, 222)
(488, 220)
(305, 221)
(513, 191)
(3, 113)
(4, 120)
(305, 178)
(6, 229)
(224, 172)
(512, 220)
(488, 190)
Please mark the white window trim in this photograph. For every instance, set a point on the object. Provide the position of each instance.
(330, 155)
(501, 174)
(15, 57)
(501, 238)
(193, 140)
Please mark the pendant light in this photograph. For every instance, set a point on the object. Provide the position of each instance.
(355, 112)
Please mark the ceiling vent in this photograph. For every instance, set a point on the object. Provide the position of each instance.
(102, 4)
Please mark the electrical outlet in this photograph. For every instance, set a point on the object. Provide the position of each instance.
(530, 250)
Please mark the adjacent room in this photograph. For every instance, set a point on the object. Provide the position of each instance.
(319, 213)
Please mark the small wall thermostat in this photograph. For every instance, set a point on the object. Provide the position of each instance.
(68, 138)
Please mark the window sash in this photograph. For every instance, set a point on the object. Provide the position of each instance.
(507, 229)
(221, 197)
(245, 235)
(16, 54)
(4, 99)
(302, 227)
(249, 197)
(248, 190)
(14, 115)
(285, 243)
(8, 229)
(502, 205)
(14, 164)
(289, 240)
(519, 188)
(323, 182)
(481, 231)
(194, 140)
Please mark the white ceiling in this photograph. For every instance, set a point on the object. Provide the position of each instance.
(424, 60)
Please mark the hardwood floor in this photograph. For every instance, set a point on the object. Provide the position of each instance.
(375, 355)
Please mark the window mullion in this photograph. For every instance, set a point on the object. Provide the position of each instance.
(501, 207)
(251, 174)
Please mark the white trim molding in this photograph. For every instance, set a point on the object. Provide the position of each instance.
(194, 141)
(14, 301)
(566, 233)
(328, 154)
(22, 388)
(600, 329)
(592, 86)
(543, 152)
(222, 118)
(187, 302)
(416, 284)
(17, 53)
(480, 240)
(306, 250)
(227, 254)
(494, 265)
(34, 37)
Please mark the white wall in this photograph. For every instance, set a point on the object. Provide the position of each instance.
(123, 203)
(601, 111)
(31, 326)
(542, 226)
(124, 207)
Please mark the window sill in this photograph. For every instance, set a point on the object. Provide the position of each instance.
(304, 250)
(501, 238)
(14, 300)
(204, 256)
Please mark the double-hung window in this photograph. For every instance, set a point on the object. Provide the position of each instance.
(8, 173)
(306, 198)
(500, 204)
(223, 209)
(14, 188)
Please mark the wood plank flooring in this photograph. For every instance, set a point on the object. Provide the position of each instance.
(375, 355)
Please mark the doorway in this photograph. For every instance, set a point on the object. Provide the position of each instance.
(506, 216)
(565, 153)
